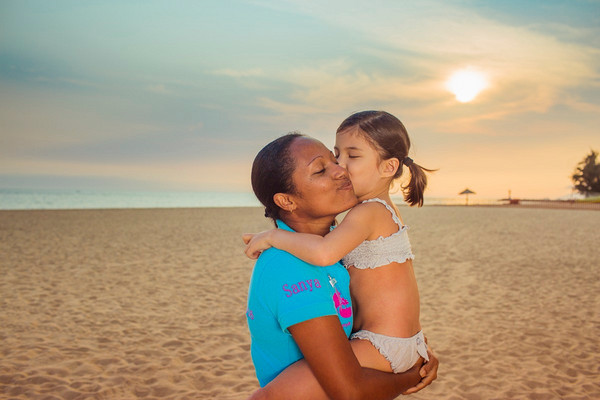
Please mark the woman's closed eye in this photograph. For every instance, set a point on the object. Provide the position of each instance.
(324, 167)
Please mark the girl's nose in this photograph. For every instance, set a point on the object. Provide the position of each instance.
(341, 161)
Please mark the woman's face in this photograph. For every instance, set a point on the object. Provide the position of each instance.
(323, 188)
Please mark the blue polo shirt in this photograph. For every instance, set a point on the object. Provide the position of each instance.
(284, 291)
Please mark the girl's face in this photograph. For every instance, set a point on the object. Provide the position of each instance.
(358, 156)
(323, 188)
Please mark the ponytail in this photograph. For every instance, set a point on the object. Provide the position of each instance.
(414, 189)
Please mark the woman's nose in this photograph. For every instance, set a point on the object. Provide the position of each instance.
(340, 172)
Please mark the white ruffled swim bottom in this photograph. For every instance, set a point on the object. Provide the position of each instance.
(402, 353)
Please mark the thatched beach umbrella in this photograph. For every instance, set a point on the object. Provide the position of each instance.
(467, 192)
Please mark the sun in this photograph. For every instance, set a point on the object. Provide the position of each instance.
(466, 84)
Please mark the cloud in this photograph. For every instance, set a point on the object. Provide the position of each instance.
(35, 121)
(159, 88)
(530, 71)
(190, 103)
(578, 105)
(66, 80)
(337, 86)
(233, 73)
(184, 175)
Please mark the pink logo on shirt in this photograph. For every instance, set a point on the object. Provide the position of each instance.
(342, 305)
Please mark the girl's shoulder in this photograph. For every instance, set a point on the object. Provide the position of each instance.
(372, 209)
(379, 215)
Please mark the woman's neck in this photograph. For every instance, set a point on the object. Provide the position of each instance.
(315, 226)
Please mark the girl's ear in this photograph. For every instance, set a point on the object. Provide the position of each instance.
(389, 167)
(284, 201)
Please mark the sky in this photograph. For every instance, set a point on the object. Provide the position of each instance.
(181, 95)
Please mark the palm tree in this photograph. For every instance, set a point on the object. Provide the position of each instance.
(586, 178)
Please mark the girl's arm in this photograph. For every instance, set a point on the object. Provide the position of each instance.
(256, 243)
(334, 371)
(314, 249)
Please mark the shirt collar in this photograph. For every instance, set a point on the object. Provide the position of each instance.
(284, 226)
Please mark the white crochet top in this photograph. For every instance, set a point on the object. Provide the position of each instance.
(383, 250)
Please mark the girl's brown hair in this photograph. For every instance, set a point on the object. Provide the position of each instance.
(389, 137)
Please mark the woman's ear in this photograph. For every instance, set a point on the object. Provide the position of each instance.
(284, 201)
(389, 167)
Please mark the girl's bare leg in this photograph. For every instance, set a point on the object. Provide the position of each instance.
(368, 356)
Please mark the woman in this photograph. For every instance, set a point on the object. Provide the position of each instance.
(299, 315)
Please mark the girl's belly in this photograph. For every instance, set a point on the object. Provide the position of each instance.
(386, 300)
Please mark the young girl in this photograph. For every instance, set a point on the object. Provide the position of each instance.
(372, 242)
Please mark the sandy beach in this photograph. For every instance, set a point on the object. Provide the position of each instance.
(125, 304)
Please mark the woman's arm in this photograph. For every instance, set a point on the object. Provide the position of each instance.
(428, 372)
(298, 382)
(334, 371)
(314, 249)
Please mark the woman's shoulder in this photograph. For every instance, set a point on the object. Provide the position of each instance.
(281, 262)
(276, 268)
(272, 257)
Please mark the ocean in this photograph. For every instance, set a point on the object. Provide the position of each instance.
(35, 199)
(30, 199)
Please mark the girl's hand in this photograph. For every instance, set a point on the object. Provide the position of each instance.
(428, 372)
(256, 243)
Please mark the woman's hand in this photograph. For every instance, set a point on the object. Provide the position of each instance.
(428, 373)
(256, 243)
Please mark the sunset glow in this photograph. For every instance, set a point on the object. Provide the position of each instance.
(466, 84)
(182, 97)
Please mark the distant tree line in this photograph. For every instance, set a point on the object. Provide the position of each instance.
(586, 178)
